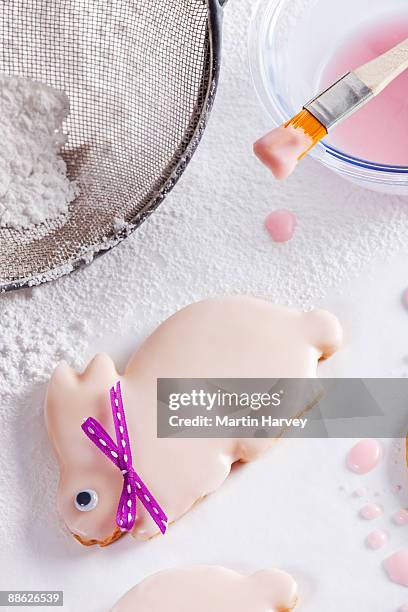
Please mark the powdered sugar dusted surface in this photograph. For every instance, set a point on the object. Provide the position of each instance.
(349, 254)
(33, 182)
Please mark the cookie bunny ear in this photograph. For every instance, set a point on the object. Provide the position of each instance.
(63, 377)
(279, 587)
(100, 368)
(63, 381)
(325, 332)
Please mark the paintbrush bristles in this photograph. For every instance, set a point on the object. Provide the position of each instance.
(311, 127)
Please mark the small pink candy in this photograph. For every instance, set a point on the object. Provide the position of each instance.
(376, 539)
(396, 567)
(281, 225)
(364, 456)
(370, 512)
(401, 517)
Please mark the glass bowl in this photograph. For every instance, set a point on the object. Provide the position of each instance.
(290, 42)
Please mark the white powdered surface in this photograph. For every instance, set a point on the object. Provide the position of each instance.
(208, 239)
(33, 182)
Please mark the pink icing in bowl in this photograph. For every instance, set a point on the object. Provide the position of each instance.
(286, 77)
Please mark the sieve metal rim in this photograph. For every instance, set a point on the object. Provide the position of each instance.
(215, 15)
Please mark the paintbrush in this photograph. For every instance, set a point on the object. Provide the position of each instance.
(282, 148)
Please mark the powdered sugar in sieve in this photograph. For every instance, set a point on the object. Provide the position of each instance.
(33, 182)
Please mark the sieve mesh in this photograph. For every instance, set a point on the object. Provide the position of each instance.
(140, 76)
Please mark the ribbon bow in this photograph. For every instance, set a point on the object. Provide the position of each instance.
(121, 455)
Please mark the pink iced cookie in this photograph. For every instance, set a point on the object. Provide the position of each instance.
(233, 337)
(215, 589)
(281, 149)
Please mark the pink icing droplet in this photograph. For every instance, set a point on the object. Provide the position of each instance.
(396, 567)
(376, 539)
(281, 225)
(364, 456)
(370, 512)
(401, 517)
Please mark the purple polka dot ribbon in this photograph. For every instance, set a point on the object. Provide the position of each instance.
(121, 455)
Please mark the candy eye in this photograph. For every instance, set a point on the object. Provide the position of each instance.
(86, 500)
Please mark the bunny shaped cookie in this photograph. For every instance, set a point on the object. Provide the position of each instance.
(232, 337)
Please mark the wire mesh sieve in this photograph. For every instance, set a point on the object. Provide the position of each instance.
(141, 76)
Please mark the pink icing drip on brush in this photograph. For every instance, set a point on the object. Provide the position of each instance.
(281, 148)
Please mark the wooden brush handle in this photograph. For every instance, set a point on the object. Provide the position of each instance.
(382, 70)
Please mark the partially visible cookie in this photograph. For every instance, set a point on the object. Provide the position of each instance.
(211, 589)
